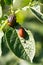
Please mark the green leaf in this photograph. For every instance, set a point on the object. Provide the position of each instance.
(20, 16)
(37, 14)
(1, 35)
(28, 44)
(23, 48)
(20, 3)
(2, 20)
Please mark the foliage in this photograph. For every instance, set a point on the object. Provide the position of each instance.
(15, 50)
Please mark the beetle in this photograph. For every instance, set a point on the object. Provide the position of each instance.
(21, 32)
(11, 20)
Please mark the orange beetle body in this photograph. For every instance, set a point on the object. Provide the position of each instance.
(11, 20)
(21, 32)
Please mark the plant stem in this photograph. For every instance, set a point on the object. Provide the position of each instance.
(12, 10)
(1, 28)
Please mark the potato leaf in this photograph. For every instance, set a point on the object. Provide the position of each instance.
(23, 48)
